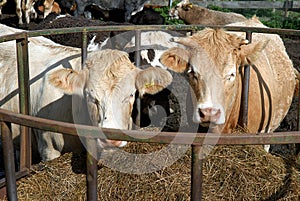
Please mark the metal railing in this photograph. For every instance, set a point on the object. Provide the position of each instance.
(26, 121)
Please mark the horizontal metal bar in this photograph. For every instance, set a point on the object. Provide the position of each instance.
(20, 174)
(158, 27)
(14, 36)
(162, 137)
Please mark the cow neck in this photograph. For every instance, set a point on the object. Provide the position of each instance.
(233, 118)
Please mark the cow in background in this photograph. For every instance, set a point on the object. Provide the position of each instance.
(193, 14)
(32, 9)
(45, 7)
(104, 91)
(85, 7)
(147, 16)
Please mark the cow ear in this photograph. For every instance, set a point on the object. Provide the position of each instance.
(68, 80)
(252, 51)
(152, 80)
(175, 59)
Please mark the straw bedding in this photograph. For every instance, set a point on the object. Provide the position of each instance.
(229, 173)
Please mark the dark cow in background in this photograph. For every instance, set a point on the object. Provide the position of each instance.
(147, 16)
(96, 12)
(129, 7)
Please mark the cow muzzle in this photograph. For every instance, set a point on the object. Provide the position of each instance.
(210, 115)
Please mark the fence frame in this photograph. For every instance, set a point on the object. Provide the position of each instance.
(6, 117)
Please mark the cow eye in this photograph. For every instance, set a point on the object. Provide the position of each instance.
(129, 99)
(192, 74)
(231, 76)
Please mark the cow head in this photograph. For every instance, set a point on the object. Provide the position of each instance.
(108, 84)
(211, 62)
(181, 7)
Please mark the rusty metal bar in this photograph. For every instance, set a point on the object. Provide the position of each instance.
(196, 174)
(19, 174)
(46, 32)
(9, 162)
(137, 48)
(84, 47)
(137, 64)
(91, 166)
(162, 137)
(24, 99)
(245, 88)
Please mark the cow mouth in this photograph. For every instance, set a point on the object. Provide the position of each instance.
(209, 115)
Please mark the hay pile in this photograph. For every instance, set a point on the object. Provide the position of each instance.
(230, 173)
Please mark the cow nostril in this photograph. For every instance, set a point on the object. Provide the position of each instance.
(200, 113)
(209, 114)
(206, 112)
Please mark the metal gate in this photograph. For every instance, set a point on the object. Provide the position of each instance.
(26, 121)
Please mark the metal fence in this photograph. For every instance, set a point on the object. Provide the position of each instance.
(91, 133)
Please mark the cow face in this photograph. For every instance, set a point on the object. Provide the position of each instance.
(211, 63)
(108, 83)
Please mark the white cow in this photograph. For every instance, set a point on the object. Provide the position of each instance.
(106, 85)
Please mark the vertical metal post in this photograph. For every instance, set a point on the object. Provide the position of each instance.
(9, 162)
(91, 166)
(24, 99)
(137, 48)
(196, 174)
(138, 63)
(245, 89)
(84, 47)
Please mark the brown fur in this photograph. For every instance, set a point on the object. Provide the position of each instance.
(193, 14)
(271, 86)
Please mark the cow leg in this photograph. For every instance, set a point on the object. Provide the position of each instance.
(48, 4)
(46, 148)
(29, 9)
(19, 10)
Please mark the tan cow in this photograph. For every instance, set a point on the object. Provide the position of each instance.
(193, 14)
(212, 62)
(106, 86)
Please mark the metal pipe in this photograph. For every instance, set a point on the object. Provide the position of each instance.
(162, 137)
(138, 63)
(9, 162)
(91, 166)
(245, 88)
(84, 48)
(196, 174)
(24, 99)
(138, 48)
